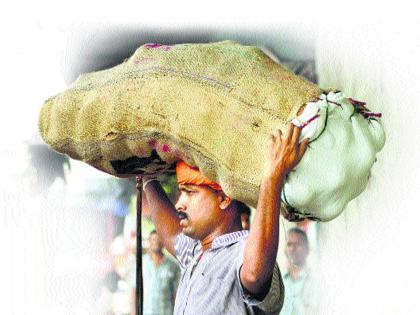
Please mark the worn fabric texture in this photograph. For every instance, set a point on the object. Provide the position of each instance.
(212, 105)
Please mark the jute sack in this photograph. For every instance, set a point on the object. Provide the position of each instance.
(211, 105)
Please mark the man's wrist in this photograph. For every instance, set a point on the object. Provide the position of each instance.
(271, 184)
(276, 179)
(147, 181)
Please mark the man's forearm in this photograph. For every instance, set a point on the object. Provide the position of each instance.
(284, 154)
(163, 214)
(262, 244)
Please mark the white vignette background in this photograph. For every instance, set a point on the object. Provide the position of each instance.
(370, 262)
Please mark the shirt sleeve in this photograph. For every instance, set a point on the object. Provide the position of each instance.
(175, 280)
(273, 301)
(185, 247)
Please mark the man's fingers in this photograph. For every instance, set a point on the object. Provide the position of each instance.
(295, 136)
(302, 148)
(289, 132)
(271, 142)
(139, 182)
(271, 139)
(279, 138)
(276, 137)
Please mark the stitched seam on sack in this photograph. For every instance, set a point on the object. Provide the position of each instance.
(143, 72)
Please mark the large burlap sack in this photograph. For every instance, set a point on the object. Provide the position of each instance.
(212, 105)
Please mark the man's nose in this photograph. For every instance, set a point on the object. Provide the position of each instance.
(180, 204)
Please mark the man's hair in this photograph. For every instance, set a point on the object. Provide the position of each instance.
(242, 208)
(302, 235)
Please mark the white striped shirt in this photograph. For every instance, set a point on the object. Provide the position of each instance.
(215, 287)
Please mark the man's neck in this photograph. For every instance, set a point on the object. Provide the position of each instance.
(208, 240)
(157, 258)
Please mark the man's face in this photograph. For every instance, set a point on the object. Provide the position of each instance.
(296, 250)
(155, 243)
(201, 205)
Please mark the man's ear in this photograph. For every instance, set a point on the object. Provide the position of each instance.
(225, 201)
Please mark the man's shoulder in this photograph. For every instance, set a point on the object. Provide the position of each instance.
(238, 246)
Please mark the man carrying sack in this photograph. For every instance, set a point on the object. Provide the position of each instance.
(225, 270)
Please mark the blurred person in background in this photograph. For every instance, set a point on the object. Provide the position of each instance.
(300, 291)
(160, 280)
(103, 303)
(113, 295)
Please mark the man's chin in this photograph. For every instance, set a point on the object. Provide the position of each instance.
(297, 264)
(188, 232)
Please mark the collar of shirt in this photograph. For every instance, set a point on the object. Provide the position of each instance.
(227, 239)
(223, 240)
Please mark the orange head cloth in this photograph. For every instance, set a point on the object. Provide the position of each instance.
(191, 175)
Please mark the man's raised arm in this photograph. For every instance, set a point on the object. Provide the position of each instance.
(261, 247)
(164, 215)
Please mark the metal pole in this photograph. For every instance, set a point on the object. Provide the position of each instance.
(139, 261)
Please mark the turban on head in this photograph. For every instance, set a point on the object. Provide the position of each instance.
(191, 175)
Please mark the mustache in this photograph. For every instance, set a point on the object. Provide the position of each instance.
(182, 215)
